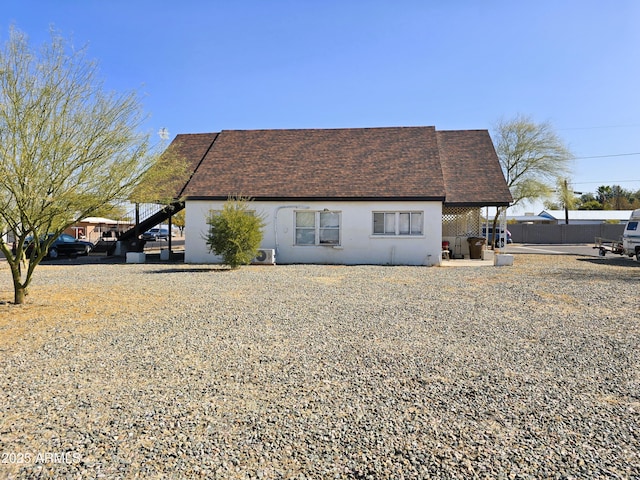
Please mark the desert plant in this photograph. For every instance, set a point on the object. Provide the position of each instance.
(68, 147)
(235, 232)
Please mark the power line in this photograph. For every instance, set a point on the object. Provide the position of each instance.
(601, 127)
(604, 182)
(607, 156)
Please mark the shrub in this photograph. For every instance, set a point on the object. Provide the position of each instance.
(235, 232)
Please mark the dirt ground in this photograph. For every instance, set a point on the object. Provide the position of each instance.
(86, 304)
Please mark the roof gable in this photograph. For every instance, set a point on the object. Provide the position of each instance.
(471, 171)
(192, 148)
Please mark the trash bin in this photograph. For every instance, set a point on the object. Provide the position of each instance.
(475, 247)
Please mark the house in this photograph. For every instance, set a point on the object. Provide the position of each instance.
(95, 228)
(586, 217)
(530, 219)
(345, 196)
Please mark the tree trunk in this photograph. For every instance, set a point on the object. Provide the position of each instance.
(19, 294)
(19, 289)
(493, 237)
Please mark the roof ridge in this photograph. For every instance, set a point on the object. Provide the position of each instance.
(320, 129)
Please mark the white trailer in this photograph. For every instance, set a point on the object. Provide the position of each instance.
(631, 235)
(629, 244)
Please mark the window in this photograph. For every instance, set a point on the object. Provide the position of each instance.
(64, 238)
(397, 223)
(632, 226)
(317, 228)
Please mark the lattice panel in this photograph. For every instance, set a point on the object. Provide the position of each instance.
(458, 221)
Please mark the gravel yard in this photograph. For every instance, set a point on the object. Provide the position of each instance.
(313, 372)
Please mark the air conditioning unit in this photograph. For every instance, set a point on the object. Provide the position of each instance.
(266, 256)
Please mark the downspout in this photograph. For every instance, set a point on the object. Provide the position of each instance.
(275, 221)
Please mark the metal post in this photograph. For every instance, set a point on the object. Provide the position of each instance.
(137, 227)
(170, 231)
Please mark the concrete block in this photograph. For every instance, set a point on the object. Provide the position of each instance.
(488, 255)
(503, 259)
(165, 254)
(136, 257)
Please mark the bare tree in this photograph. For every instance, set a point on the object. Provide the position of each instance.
(67, 147)
(532, 157)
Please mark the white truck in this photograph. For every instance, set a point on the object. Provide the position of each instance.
(629, 244)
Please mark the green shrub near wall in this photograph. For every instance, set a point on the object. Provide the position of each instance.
(235, 232)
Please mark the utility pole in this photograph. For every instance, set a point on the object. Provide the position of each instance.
(567, 196)
(566, 207)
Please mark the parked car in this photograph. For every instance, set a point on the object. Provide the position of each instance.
(64, 245)
(156, 234)
(500, 236)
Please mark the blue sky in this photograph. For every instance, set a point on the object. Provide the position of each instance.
(204, 66)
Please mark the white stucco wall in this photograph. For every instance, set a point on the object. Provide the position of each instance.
(358, 245)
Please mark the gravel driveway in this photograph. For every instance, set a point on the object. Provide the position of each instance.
(185, 371)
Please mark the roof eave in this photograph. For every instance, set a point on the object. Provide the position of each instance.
(322, 198)
(477, 204)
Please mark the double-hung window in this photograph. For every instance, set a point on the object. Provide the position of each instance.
(398, 223)
(317, 228)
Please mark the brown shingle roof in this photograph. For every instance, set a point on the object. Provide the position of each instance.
(353, 163)
(192, 147)
(471, 171)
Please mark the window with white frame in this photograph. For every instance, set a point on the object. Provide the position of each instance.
(317, 228)
(398, 223)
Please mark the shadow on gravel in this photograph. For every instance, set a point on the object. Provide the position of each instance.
(605, 274)
(612, 261)
(189, 270)
(88, 260)
(100, 259)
